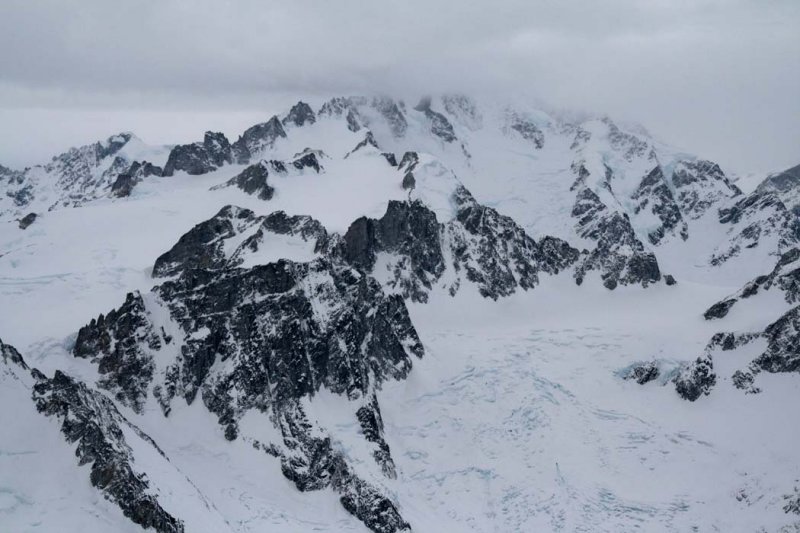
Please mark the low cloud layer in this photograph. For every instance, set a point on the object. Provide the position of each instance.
(718, 77)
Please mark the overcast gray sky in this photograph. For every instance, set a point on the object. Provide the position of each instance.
(717, 77)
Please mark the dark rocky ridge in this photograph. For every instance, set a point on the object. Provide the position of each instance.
(299, 115)
(619, 255)
(785, 277)
(490, 249)
(653, 192)
(200, 158)
(94, 426)
(254, 338)
(781, 355)
(94, 423)
(256, 139)
(27, 220)
(753, 219)
(125, 182)
(699, 185)
(440, 126)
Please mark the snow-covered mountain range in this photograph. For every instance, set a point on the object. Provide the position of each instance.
(372, 315)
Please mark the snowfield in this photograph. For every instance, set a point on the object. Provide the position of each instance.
(517, 417)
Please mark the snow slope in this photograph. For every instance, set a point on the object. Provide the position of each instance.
(517, 418)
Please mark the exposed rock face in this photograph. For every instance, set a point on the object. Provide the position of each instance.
(258, 139)
(491, 250)
(308, 158)
(265, 338)
(200, 158)
(759, 219)
(630, 146)
(696, 379)
(122, 344)
(253, 180)
(203, 246)
(496, 253)
(619, 256)
(124, 184)
(299, 115)
(369, 141)
(654, 196)
(699, 185)
(11, 356)
(94, 423)
(78, 176)
(785, 277)
(27, 220)
(360, 111)
(346, 107)
(781, 355)
(393, 114)
(643, 372)
(786, 185)
(410, 232)
(526, 129)
(440, 126)
(783, 344)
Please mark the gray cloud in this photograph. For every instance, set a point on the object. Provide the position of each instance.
(718, 77)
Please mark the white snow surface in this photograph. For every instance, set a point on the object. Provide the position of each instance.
(516, 419)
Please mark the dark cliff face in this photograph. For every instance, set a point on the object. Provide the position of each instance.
(655, 196)
(785, 277)
(256, 139)
(619, 256)
(99, 436)
(200, 158)
(264, 338)
(299, 115)
(93, 423)
(489, 249)
(758, 217)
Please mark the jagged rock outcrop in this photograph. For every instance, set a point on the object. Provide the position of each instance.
(409, 232)
(125, 182)
(619, 256)
(201, 157)
(527, 129)
(122, 344)
(361, 111)
(11, 356)
(253, 180)
(655, 197)
(27, 220)
(782, 354)
(785, 277)
(700, 184)
(496, 253)
(338, 107)
(299, 115)
(368, 141)
(203, 246)
(786, 185)
(91, 421)
(697, 378)
(256, 140)
(643, 373)
(263, 338)
(783, 344)
(757, 220)
(490, 249)
(440, 126)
